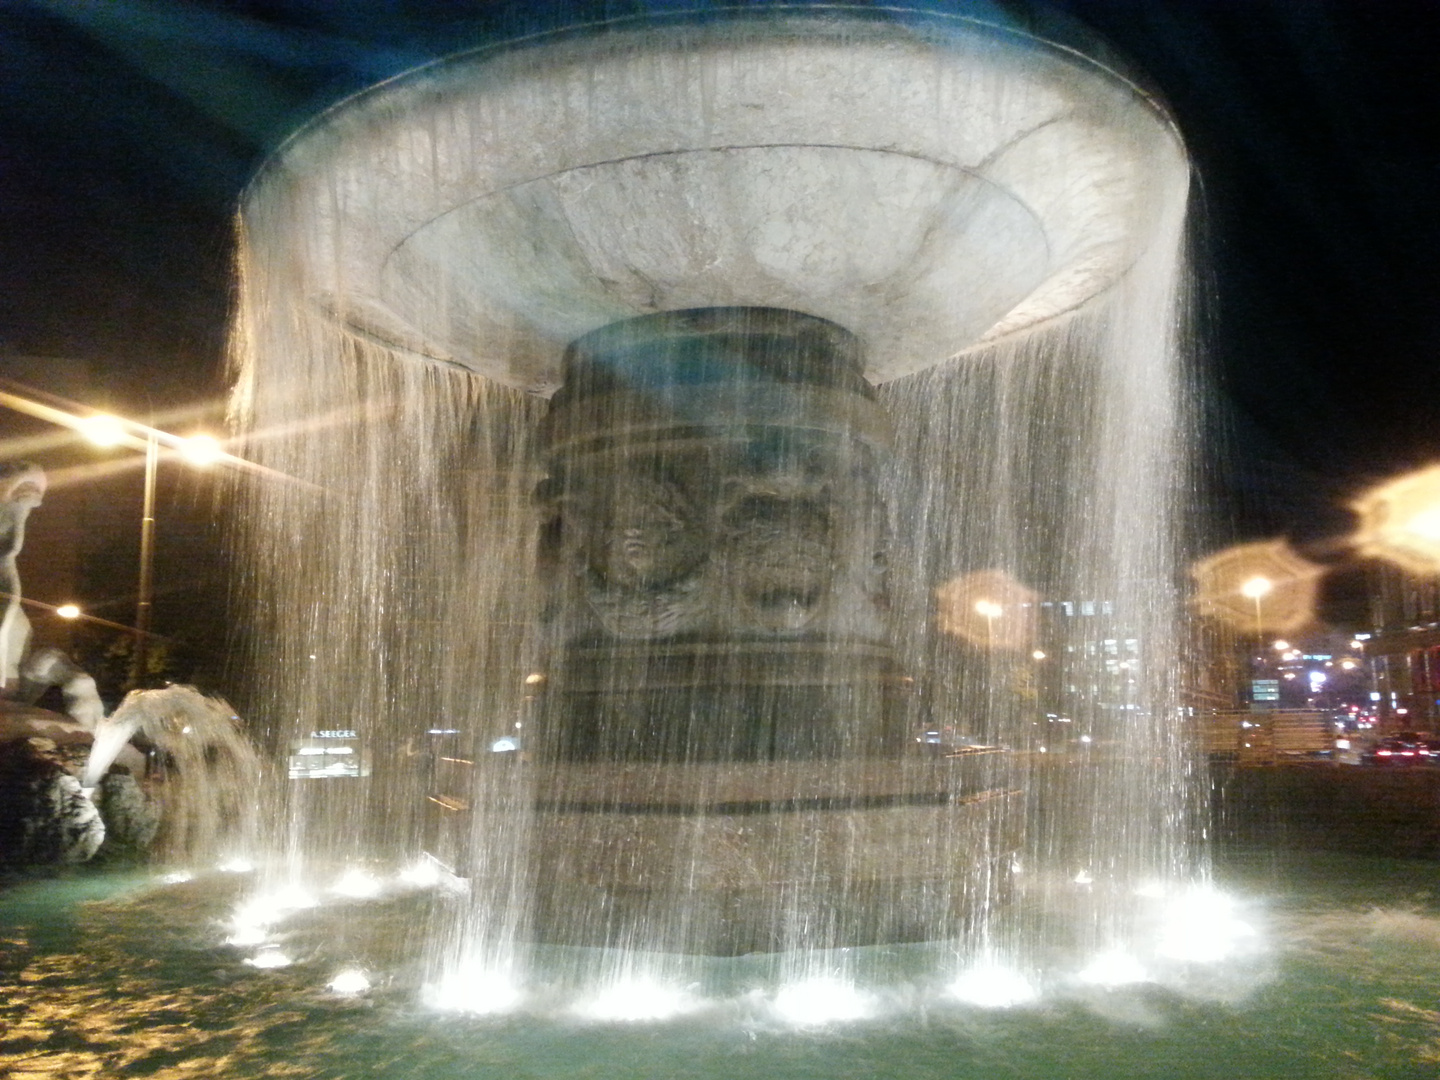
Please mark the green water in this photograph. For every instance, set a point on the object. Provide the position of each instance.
(118, 976)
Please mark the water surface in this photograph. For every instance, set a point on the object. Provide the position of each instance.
(112, 974)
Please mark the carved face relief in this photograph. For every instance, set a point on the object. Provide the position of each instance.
(779, 555)
(642, 534)
(641, 550)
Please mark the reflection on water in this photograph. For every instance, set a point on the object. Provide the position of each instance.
(115, 975)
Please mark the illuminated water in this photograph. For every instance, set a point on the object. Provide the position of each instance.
(116, 976)
(396, 589)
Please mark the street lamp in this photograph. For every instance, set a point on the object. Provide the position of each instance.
(991, 611)
(1400, 521)
(200, 450)
(1256, 588)
(103, 429)
(106, 430)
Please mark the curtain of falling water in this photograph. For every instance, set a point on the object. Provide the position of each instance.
(1060, 459)
(390, 573)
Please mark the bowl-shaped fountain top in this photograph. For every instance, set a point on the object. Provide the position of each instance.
(932, 185)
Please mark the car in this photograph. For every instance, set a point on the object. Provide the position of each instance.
(1404, 748)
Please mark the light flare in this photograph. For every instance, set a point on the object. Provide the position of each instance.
(989, 609)
(1113, 968)
(1258, 588)
(822, 1001)
(637, 999)
(349, 981)
(475, 990)
(1201, 926)
(1400, 521)
(990, 985)
(200, 450)
(357, 884)
(102, 429)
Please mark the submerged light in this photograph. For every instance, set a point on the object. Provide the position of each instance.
(1201, 927)
(474, 989)
(636, 999)
(990, 985)
(822, 1001)
(1113, 968)
(349, 981)
(357, 884)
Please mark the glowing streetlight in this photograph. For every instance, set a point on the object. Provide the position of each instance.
(1400, 521)
(1256, 587)
(991, 611)
(988, 608)
(1281, 646)
(200, 450)
(102, 429)
(1232, 583)
(68, 611)
(1038, 654)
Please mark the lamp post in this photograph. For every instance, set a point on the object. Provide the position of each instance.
(146, 590)
(103, 429)
(1256, 588)
(199, 450)
(991, 611)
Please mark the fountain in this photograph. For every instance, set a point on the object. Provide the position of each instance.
(651, 384)
(716, 442)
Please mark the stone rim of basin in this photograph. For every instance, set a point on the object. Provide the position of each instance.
(913, 181)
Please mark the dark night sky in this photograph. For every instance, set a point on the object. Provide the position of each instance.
(128, 128)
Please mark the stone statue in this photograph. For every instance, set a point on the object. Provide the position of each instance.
(22, 487)
(25, 675)
(59, 799)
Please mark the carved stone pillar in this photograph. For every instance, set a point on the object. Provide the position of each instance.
(714, 545)
(719, 742)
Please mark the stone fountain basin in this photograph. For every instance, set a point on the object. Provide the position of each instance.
(910, 179)
(723, 858)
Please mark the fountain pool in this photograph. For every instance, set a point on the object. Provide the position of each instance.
(111, 975)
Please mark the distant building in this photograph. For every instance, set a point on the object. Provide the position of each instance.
(1089, 668)
(1403, 650)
